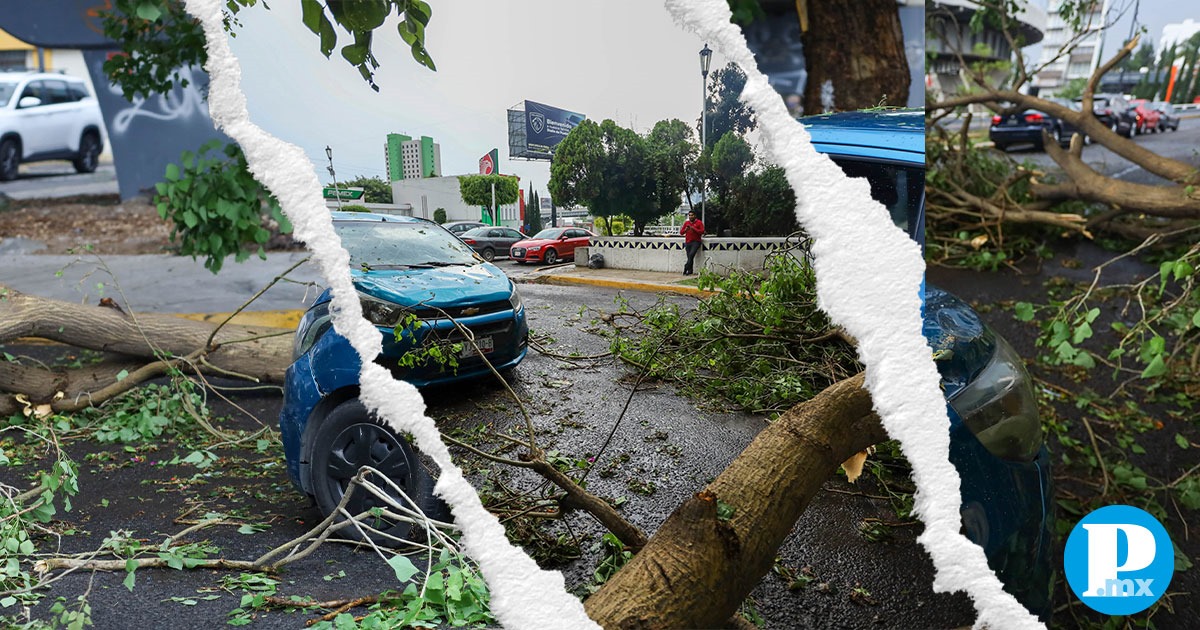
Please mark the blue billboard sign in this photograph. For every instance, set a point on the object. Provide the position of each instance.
(546, 126)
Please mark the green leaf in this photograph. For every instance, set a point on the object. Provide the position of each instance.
(1023, 311)
(1183, 270)
(1182, 562)
(403, 567)
(311, 12)
(130, 568)
(122, 375)
(1196, 319)
(1155, 368)
(355, 53)
(1082, 332)
(328, 35)
(1181, 441)
(1084, 360)
(149, 11)
(172, 172)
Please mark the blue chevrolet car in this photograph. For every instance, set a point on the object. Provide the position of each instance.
(995, 432)
(415, 277)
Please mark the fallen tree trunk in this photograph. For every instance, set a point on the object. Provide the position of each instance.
(712, 551)
(251, 352)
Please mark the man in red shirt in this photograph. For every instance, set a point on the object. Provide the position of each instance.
(692, 231)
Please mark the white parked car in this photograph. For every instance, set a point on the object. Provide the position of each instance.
(47, 117)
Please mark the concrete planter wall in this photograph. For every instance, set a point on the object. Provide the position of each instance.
(649, 253)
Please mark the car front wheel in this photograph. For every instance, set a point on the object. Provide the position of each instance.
(10, 160)
(551, 257)
(488, 254)
(349, 438)
(89, 153)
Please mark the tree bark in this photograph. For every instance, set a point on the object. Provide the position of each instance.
(858, 49)
(712, 551)
(252, 352)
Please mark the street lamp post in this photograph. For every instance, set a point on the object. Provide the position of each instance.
(705, 59)
(336, 193)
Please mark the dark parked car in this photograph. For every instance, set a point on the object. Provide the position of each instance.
(996, 440)
(1027, 126)
(490, 241)
(1169, 117)
(419, 278)
(1113, 111)
(1145, 117)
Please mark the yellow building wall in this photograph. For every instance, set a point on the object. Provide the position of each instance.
(8, 42)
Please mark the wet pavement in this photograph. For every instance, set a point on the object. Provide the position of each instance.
(665, 448)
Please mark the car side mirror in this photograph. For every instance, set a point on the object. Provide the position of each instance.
(563, 237)
(28, 101)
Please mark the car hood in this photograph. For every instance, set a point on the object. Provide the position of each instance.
(440, 287)
(534, 242)
(961, 343)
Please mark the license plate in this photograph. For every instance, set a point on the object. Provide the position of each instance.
(485, 346)
(1012, 122)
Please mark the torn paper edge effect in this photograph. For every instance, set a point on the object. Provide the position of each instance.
(868, 281)
(522, 595)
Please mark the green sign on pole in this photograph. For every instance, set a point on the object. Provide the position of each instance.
(343, 193)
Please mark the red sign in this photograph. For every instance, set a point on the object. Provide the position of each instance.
(487, 163)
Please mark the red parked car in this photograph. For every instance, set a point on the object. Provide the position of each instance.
(1146, 117)
(550, 245)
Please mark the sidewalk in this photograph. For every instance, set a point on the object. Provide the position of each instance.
(627, 279)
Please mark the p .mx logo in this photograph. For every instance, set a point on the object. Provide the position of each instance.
(1119, 560)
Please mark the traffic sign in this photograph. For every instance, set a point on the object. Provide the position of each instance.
(343, 193)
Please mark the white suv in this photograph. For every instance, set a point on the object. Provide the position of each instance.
(47, 117)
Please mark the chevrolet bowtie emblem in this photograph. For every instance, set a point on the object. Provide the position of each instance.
(470, 311)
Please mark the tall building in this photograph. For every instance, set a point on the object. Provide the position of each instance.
(1083, 59)
(1176, 33)
(412, 158)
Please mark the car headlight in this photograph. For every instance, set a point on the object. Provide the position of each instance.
(381, 312)
(999, 407)
(515, 300)
(535, 248)
(314, 323)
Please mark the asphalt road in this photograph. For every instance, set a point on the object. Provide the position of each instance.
(1181, 145)
(45, 180)
(671, 442)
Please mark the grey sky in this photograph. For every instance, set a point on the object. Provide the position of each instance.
(619, 59)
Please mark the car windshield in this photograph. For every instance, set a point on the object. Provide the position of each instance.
(475, 232)
(549, 233)
(390, 245)
(7, 89)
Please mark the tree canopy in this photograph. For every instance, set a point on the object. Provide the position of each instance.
(375, 190)
(613, 170)
(477, 190)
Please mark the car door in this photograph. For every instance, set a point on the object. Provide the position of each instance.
(59, 108)
(510, 236)
(576, 238)
(32, 122)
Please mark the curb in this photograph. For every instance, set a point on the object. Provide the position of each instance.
(650, 287)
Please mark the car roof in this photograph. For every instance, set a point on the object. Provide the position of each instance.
(888, 134)
(20, 75)
(339, 215)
